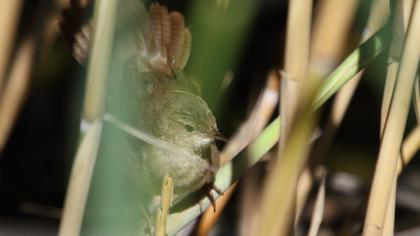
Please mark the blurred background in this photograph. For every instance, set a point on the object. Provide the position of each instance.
(37, 156)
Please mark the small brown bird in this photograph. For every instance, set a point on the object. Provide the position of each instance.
(166, 105)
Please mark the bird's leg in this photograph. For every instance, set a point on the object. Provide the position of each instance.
(165, 204)
(208, 187)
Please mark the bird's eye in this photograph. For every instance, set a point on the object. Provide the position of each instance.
(189, 128)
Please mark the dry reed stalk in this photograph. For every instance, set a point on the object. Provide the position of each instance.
(409, 148)
(296, 65)
(16, 88)
(401, 19)
(390, 211)
(9, 12)
(296, 60)
(276, 215)
(383, 181)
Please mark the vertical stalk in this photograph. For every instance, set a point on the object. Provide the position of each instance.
(401, 18)
(383, 181)
(81, 175)
(296, 60)
(79, 184)
(331, 28)
(279, 192)
(103, 22)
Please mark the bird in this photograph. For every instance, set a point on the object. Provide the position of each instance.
(163, 102)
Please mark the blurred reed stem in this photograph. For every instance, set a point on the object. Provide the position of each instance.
(79, 183)
(331, 30)
(9, 15)
(296, 59)
(16, 88)
(383, 181)
(278, 203)
(293, 78)
(80, 179)
(295, 72)
(100, 56)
